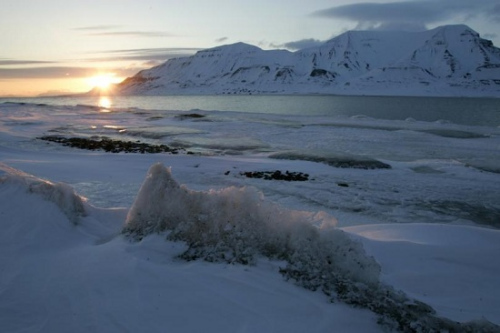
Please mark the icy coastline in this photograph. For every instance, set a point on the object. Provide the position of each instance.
(426, 226)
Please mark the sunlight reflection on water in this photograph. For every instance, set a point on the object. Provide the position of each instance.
(105, 104)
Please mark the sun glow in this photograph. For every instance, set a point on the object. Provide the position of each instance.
(103, 81)
(104, 103)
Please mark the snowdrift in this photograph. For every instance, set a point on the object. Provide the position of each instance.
(60, 194)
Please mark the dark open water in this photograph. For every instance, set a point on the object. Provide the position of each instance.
(466, 111)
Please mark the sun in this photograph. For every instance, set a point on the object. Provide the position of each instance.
(103, 81)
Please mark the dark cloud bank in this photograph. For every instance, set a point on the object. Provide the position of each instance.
(412, 15)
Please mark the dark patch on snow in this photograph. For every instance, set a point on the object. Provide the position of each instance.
(136, 79)
(486, 168)
(276, 175)
(190, 116)
(426, 169)
(337, 161)
(112, 146)
(454, 134)
(154, 118)
(284, 74)
(318, 72)
(475, 212)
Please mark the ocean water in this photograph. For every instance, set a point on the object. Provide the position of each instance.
(465, 111)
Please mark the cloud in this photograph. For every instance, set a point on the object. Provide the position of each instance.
(12, 62)
(56, 92)
(301, 44)
(221, 40)
(147, 57)
(131, 34)
(44, 72)
(114, 31)
(154, 50)
(413, 14)
(146, 54)
(152, 63)
(490, 36)
(58, 72)
(494, 14)
(98, 27)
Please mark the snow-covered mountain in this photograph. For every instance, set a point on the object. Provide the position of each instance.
(446, 61)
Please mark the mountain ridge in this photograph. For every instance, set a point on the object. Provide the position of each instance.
(450, 60)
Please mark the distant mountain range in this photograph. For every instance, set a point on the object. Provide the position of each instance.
(450, 60)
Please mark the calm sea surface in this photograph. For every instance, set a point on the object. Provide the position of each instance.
(467, 111)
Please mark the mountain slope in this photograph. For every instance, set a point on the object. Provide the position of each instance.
(450, 61)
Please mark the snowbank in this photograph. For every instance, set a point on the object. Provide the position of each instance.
(61, 194)
(453, 268)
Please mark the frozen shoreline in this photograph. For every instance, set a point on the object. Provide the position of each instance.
(75, 276)
(440, 172)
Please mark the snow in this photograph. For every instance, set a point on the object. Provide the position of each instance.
(427, 226)
(58, 276)
(450, 60)
(434, 252)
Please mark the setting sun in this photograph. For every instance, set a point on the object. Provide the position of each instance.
(103, 81)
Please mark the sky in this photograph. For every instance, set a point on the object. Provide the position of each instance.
(57, 47)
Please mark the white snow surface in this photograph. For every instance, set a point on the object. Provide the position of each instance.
(450, 60)
(429, 221)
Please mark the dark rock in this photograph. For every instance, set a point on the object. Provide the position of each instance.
(111, 146)
(276, 175)
(190, 116)
(318, 72)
